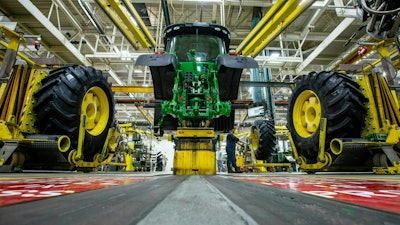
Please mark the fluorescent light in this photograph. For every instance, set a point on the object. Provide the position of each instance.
(275, 54)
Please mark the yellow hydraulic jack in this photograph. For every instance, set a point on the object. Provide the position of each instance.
(194, 151)
(324, 158)
(75, 157)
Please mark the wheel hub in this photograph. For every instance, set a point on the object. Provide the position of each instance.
(96, 107)
(307, 113)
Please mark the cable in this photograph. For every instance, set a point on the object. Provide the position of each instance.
(382, 13)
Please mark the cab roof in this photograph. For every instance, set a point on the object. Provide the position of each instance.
(197, 28)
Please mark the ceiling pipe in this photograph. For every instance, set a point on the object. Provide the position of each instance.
(126, 19)
(271, 25)
(94, 22)
(287, 20)
(167, 18)
(113, 17)
(140, 22)
(69, 15)
(256, 30)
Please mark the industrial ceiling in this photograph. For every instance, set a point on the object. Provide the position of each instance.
(323, 36)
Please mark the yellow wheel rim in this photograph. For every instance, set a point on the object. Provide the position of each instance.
(96, 107)
(306, 113)
(254, 140)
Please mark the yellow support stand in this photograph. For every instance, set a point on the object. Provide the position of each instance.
(194, 162)
(128, 161)
(195, 152)
(324, 158)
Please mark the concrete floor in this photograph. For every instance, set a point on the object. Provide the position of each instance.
(161, 198)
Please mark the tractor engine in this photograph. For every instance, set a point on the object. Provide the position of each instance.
(196, 98)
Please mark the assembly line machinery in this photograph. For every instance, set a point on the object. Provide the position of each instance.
(63, 118)
(137, 154)
(60, 117)
(262, 135)
(53, 118)
(350, 122)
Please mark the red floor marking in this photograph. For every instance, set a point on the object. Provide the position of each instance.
(384, 195)
(17, 191)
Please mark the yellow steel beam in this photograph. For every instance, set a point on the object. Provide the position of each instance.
(383, 51)
(145, 114)
(133, 89)
(378, 96)
(14, 37)
(116, 5)
(111, 14)
(24, 57)
(140, 22)
(256, 30)
(243, 117)
(287, 20)
(12, 96)
(392, 108)
(273, 22)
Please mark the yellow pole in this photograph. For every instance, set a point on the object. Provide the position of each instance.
(287, 20)
(117, 23)
(274, 21)
(141, 23)
(256, 30)
(129, 23)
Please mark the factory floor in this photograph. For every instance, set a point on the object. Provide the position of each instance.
(120, 198)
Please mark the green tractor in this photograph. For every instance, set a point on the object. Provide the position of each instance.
(195, 78)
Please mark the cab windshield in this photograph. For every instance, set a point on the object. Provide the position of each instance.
(207, 47)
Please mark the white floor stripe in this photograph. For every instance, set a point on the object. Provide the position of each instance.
(196, 201)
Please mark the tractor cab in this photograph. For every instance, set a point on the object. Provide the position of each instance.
(206, 48)
(204, 42)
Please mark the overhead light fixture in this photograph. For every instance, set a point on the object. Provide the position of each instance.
(275, 54)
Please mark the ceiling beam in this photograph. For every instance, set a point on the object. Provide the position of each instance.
(132, 89)
(328, 40)
(33, 10)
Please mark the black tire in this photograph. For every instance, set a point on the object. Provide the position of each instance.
(329, 95)
(169, 122)
(266, 136)
(64, 94)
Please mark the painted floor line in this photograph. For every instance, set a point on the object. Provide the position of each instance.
(195, 194)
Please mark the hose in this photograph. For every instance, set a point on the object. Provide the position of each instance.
(382, 13)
